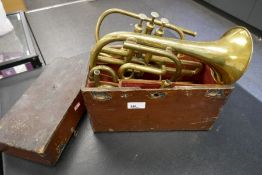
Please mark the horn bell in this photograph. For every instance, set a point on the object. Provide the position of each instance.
(234, 51)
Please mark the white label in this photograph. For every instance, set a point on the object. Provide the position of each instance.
(20, 68)
(136, 105)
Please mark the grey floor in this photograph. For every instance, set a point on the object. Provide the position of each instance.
(232, 147)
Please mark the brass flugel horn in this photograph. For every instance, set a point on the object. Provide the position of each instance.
(147, 50)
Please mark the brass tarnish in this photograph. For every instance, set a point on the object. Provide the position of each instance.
(147, 50)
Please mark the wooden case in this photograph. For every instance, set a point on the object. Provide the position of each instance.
(42, 121)
(179, 108)
(144, 106)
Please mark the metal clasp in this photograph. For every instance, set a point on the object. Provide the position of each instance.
(101, 96)
(215, 93)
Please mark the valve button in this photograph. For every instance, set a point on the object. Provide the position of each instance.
(154, 14)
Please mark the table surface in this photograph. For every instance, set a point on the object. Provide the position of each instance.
(233, 146)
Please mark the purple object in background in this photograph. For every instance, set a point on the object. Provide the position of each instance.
(29, 67)
(16, 70)
(8, 72)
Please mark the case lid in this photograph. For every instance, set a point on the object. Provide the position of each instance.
(36, 116)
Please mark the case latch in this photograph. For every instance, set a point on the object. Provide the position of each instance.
(215, 93)
(101, 96)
